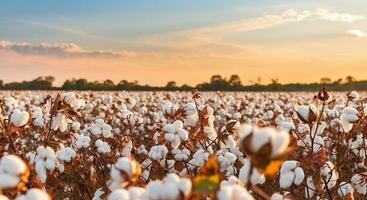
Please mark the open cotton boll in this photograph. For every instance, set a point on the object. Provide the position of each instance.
(34, 194)
(310, 189)
(75, 126)
(199, 158)
(277, 196)
(120, 194)
(2, 197)
(175, 133)
(244, 175)
(229, 192)
(59, 122)
(348, 117)
(328, 170)
(290, 173)
(307, 113)
(65, 154)
(71, 99)
(102, 147)
(353, 96)
(19, 118)
(169, 188)
(12, 165)
(254, 139)
(82, 141)
(345, 189)
(97, 194)
(359, 184)
(158, 152)
(123, 171)
(181, 154)
(12, 168)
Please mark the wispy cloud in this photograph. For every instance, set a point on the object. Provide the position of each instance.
(60, 50)
(290, 15)
(356, 33)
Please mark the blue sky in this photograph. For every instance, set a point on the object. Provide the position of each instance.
(205, 37)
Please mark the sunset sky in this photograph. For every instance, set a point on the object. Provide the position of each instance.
(155, 41)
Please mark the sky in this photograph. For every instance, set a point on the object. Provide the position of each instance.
(156, 41)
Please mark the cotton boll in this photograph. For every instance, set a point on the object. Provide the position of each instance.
(75, 126)
(19, 118)
(82, 141)
(348, 117)
(8, 181)
(102, 147)
(288, 166)
(279, 142)
(308, 113)
(276, 196)
(34, 194)
(136, 193)
(300, 175)
(359, 184)
(12, 165)
(97, 194)
(59, 122)
(310, 189)
(345, 189)
(158, 152)
(353, 96)
(65, 153)
(255, 178)
(120, 194)
(123, 171)
(286, 179)
(229, 192)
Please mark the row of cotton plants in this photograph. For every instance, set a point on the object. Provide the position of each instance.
(177, 146)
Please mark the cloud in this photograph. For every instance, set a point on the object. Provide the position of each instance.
(60, 50)
(356, 33)
(290, 15)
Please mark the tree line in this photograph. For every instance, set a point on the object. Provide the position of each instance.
(216, 83)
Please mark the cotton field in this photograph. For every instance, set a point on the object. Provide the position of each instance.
(177, 146)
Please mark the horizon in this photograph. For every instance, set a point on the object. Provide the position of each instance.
(154, 42)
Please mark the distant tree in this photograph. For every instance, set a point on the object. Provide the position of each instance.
(274, 81)
(171, 84)
(50, 79)
(108, 83)
(235, 80)
(350, 79)
(325, 80)
(216, 78)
